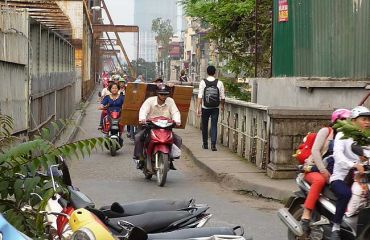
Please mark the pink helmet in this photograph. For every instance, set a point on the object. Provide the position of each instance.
(340, 113)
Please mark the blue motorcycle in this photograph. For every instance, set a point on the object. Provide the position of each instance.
(8, 232)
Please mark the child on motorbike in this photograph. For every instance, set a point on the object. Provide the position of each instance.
(345, 160)
(318, 175)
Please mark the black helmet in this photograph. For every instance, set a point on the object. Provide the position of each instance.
(163, 89)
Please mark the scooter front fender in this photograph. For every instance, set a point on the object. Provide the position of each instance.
(161, 148)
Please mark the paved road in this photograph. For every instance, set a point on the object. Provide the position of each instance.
(107, 179)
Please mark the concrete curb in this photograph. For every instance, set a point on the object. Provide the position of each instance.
(70, 132)
(234, 182)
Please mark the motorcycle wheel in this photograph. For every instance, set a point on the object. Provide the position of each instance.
(297, 213)
(113, 150)
(147, 175)
(163, 166)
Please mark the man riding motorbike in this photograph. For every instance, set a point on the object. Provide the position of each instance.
(157, 106)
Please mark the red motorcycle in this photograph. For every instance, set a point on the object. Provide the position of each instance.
(113, 130)
(157, 148)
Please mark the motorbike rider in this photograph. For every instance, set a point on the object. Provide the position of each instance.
(345, 160)
(122, 86)
(157, 106)
(116, 78)
(322, 147)
(105, 90)
(111, 102)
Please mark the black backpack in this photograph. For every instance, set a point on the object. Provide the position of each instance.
(211, 94)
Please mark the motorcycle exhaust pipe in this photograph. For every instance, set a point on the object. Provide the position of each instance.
(290, 221)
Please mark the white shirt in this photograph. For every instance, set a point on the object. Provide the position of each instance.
(202, 86)
(344, 158)
(151, 108)
(123, 91)
(105, 92)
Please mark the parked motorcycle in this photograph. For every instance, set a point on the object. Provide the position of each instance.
(113, 130)
(86, 226)
(8, 232)
(171, 215)
(157, 148)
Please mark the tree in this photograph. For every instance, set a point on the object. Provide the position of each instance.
(19, 162)
(147, 69)
(232, 26)
(164, 32)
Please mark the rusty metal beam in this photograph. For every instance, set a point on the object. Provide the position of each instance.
(110, 51)
(106, 41)
(46, 12)
(111, 44)
(131, 69)
(99, 28)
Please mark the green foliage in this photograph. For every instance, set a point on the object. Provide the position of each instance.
(350, 130)
(164, 31)
(147, 69)
(19, 163)
(239, 91)
(231, 24)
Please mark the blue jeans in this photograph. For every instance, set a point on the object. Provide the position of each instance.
(343, 193)
(206, 114)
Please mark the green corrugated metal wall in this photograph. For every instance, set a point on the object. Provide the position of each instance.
(323, 38)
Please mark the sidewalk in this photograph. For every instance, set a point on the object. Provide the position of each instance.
(233, 171)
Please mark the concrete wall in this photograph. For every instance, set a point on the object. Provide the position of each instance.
(306, 93)
(14, 67)
(75, 12)
(265, 136)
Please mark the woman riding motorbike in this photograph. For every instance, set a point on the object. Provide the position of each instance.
(322, 147)
(113, 101)
(345, 160)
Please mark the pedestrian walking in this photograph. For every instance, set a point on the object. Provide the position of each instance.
(210, 97)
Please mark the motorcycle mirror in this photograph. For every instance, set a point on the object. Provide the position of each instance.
(65, 170)
(52, 175)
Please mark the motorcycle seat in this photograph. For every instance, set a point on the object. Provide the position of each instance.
(79, 199)
(193, 233)
(140, 207)
(327, 192)
(151, 222)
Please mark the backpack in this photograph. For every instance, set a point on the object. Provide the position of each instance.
(305, 149)
(183, 78)
(211, 94)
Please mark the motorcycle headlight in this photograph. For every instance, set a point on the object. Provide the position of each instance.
(83, 234)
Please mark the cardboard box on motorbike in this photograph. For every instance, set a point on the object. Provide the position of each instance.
(137, 93)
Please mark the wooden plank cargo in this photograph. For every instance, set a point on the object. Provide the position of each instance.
(137, 93)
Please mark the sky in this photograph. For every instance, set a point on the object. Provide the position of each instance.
(122, 13)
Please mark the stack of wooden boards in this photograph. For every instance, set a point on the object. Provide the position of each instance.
(137, 93)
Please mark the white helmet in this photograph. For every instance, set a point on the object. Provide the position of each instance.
(359, 111)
